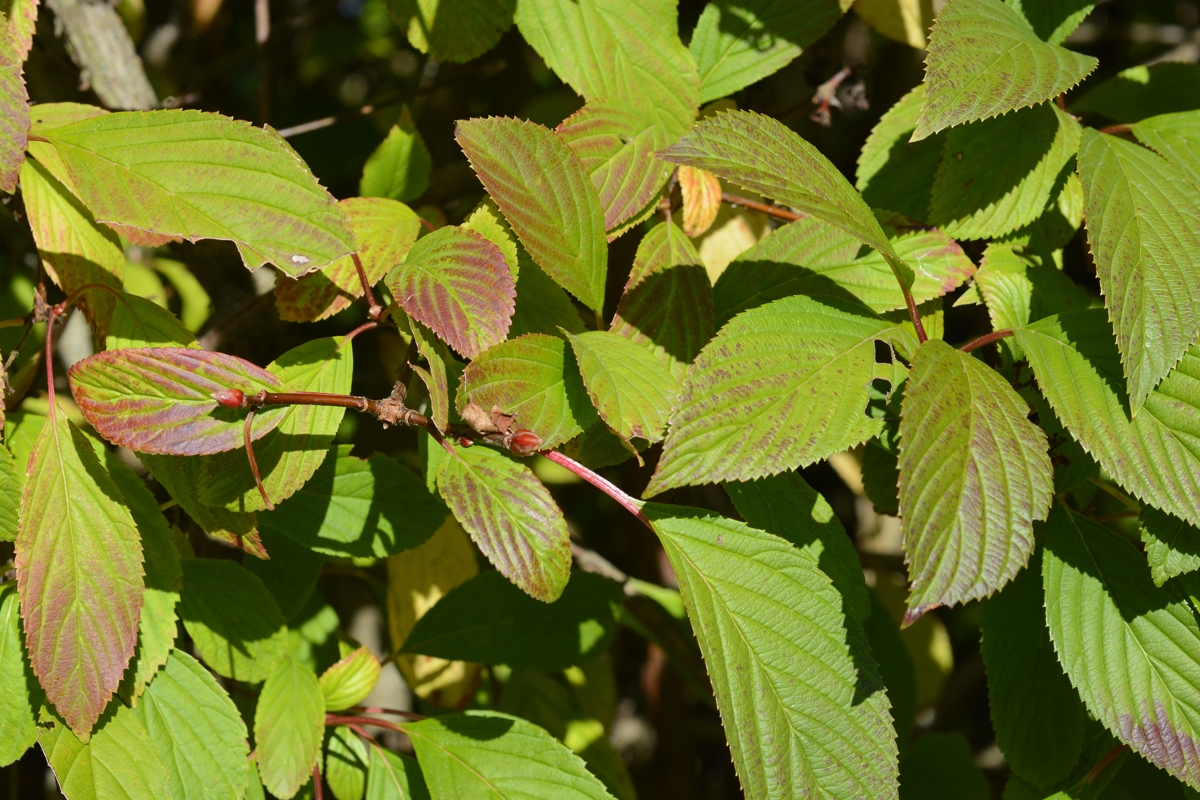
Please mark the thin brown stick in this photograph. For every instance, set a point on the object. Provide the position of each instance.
(262, 490)
(762, 208)
(1104, 761)
(374, 310)
(53, 313)
(333, 720)
(987, 338)
(318, 790)
(262, 36)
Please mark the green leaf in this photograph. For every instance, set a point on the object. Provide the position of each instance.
(119, 761)
(79, 570)
(487, 620)
(618, 50)
(779, 387)
(547, 197)
(616, 141)
(1176, 137)
(1130, 649)
(74, 249)
(941, 766)
(290, 574)
(511, 517)
(974, 200)
(436, 375)
(485, 754)
(787, 507)
(392, 776)
(180, 476)
(765, 156)
(14, 107)
(399, 167)
(975, 474)
(348, 682)
(10, 496)
(1038, 718)
(667, 305)
(1144, 91)
(137, 322)
(345, 764)
(739, 43)
(631, 388)
(289, 724)
(17, 683)
(234, 622)
(535, 379)
(985, 60)
(894, 172)
(197, 731)
(161, 400)
(287, 456)
(195, 302)
(459, 284)
(174, 173)
(157, 626)
(453, 30)
(1142, 229)
(1172, 545)
(23, 19)
(1075, 363)
(895, 665)
(804, 712)
(811, 257)
(385, 230)
(355, 508)
(542, 305)
(1053, 20)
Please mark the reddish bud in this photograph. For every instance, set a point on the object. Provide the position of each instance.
(230, 398)
(525, 443)
(464, 441)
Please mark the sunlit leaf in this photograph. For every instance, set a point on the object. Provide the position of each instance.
(779, 387)
(486, 754)
(1144, 231)
(161, 400)
(17, 718)
(22, 19)
(453, 30)
(536, 380)
(10, 495)
(137, 322)
(385, 230)
(700, 192)
(458, 284)
(1053, 20)
(803, 708)
(547, 197)
(631, 388)
(985, 60)
(511, 517)
(399, 167)
(974, 476)
(490, 621)
(905, 21)
(79, 571)
(392, 776)
(14, 106)
(1131, 650)
(204, 176)
(197, 731)
(1172, 545)
(347, 682)
(233, 620)
(289, 723)
(119, 761)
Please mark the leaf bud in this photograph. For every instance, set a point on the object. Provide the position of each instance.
(230, 398)
(525, 443)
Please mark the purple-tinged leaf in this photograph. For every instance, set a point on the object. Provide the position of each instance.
(668, 301)
(547, 197)
(22, 20)
(510, 516)
(458, 283)
(14, 109)
(616, 143)
(200, 175)
(385, 229)
(535, 379)
(436, 377)
(160, 400)
(974, 476)
(79, 572)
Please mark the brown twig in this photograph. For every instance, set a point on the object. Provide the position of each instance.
(1104, 761)
(262, 490)
(374, 310)
(412, 715)
(262, 36)
(763, 208)
(987, 338)
(333, 720)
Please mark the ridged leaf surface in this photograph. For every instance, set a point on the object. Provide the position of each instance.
(350, 679)
(893, 172)
(974, 475)
(289, 723)
(631, 388)
(14, 107)
(119, 762)
(779, 387)
(1176, 137)
(1144, 231)
(16, 706)
(1172, 545)
(547, 197)
(458, 284)
(984, 60)
(511, 517)
(79, 572)
(1131, 650)
(803, 708)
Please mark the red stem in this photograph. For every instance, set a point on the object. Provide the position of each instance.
(333, 720)
(373, 308)
(394, 711)
(318, 790)
(762, 208)
(628, 503)
(54, 311)
(913, 314)
(987, 338)
(262, 490)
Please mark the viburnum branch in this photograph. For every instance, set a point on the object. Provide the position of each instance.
(763, 208)
(913, 313)
(262, 490)
(374, 310)
(987, 338)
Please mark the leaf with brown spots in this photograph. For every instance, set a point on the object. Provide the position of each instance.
(14, 108)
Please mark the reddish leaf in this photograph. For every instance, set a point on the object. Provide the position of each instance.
(458, 283)
(162, 399)
(385, 229)
(701, 193)
(14, 110)
(547, 197)
(79, 572)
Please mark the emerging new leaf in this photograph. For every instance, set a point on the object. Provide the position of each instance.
(974, 475)
(348, 681)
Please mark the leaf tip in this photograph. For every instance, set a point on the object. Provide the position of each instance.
(914, 613)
